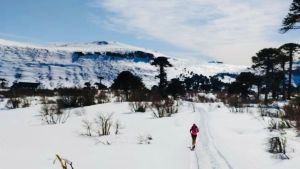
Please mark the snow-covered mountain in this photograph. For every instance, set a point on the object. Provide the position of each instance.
(73, 64)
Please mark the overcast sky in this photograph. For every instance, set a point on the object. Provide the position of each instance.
(227, 30)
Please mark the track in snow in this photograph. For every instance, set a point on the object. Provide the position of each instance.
(207, 155)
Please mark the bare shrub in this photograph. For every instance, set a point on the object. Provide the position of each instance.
(204, 99)
(46, 100)
(292, 111)
(76, 97)
(192, 104)
(14, 103)
(24, 102)
(76, 101)
(235, 102)
(138, 106)
(87, 125)
(68, 101)
(164, 108)
(120, 96)
(64, 163)
(53, 114)
(102, 97)
(104, 124)
(118, 126)
(266, 111)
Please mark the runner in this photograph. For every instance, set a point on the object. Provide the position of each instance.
(194, 131)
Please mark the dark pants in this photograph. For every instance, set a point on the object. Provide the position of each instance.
(194, 137)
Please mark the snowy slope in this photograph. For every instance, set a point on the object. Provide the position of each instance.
(73, 64)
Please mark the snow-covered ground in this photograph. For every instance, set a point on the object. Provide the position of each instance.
(226, 140)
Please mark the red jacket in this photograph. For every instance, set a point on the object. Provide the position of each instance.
(194, 130)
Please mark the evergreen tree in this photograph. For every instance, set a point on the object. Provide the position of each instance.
(128, 82)
(175, 88)
(266, 60)
(243, 84)
(258, 81)
(289, 51)
(216, 85)
(87, 85)
(162, 62)
(99, 84)
(292, 18)
(283, 59)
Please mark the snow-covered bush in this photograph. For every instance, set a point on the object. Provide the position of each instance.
(279, 124)
(267, 111)
(278, 145)
(164, 108)
(138, 106)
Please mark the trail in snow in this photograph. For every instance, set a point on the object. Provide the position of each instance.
(207, 155)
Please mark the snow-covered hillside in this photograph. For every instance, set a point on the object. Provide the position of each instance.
(73, 64)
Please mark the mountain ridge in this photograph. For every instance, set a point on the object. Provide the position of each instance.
(70, 64)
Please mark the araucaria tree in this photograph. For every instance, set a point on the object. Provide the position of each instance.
(266, 60)
(292, 19)
(162, 62)
(289, 51)
(282, 60)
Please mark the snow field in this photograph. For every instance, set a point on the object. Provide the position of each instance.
(226, 140)
(34, 145)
